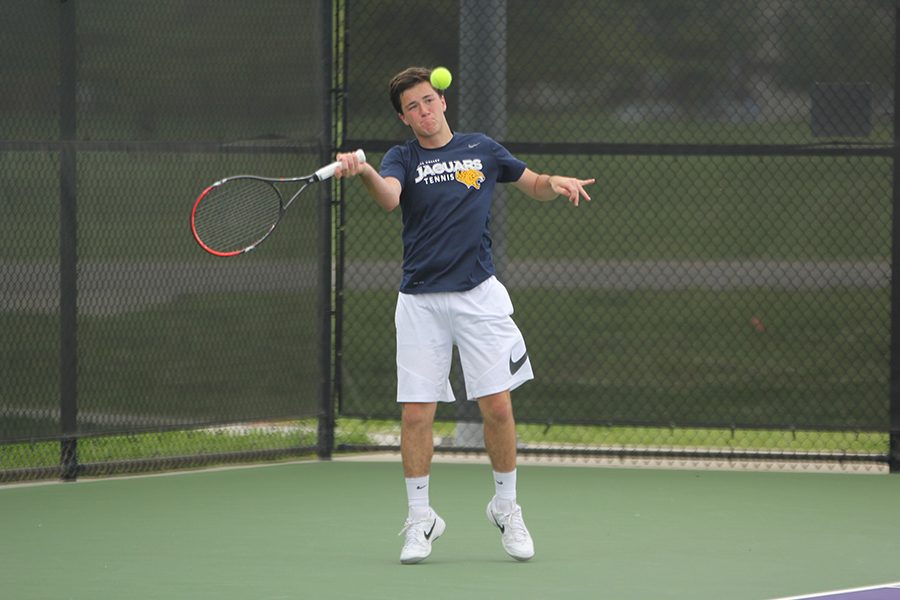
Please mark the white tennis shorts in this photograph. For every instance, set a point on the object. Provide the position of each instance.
(479, 322)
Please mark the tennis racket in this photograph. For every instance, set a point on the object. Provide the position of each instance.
(237, 214)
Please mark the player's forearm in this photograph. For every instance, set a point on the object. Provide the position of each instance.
(385, 193)
(549, 187)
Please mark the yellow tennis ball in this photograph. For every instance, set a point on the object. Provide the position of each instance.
(441, 78)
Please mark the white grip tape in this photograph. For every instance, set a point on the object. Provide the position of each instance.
(327, 171)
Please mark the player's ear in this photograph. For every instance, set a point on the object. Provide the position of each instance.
(402, 118)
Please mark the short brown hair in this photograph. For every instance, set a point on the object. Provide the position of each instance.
(406, 79)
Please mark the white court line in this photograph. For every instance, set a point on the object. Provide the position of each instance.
(85, 479)
(895, 585)
(636, 462)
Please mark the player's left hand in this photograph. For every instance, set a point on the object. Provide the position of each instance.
(571, 187)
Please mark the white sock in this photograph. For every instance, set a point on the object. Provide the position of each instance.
(505, 485)
(417, 493)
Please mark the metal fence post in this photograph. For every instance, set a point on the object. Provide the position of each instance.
(482, 107)
(68, 248)
(894, 451)
(326, 426)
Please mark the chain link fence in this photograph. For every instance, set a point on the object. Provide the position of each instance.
(124, 345)
(727, 295)
(728, 289)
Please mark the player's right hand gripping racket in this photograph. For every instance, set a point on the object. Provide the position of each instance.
(236, 214)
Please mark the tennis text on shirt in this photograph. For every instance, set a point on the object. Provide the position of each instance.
(467, 172)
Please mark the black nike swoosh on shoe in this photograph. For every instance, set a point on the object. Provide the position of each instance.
(499, 526)
(515, 365)
(430, 531)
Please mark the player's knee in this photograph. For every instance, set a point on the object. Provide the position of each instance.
(418, 415)
(496, 409)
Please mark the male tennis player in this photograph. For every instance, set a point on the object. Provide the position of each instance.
(444, 183)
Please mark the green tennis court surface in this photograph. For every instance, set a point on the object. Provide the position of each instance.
(329, 530)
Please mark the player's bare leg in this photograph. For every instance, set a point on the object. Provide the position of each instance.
(417, 437)
(499, 431)
(500, 443)
(422, 525)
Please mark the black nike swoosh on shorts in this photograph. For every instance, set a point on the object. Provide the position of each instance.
(515, 365)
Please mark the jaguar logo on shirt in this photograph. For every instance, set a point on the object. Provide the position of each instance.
(472, 178)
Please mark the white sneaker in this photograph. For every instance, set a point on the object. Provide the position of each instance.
(421, 530)
(506, 515)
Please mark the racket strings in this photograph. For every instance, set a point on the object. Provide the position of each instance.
(237, 214)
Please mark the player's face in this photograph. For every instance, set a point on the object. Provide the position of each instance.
(423, 110)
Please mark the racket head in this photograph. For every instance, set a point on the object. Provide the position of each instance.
(235, 215)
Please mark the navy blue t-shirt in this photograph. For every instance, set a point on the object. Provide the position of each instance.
(446, 203)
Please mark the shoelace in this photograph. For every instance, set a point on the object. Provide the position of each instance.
(409, 524)
(514, 524)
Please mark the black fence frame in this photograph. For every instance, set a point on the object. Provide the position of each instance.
(333, 72)
(69, 148)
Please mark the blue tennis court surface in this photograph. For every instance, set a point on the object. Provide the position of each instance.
(888, 591)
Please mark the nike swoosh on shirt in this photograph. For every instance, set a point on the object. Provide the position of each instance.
(515, 365)
(473, 145)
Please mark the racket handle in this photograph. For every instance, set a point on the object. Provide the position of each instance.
(327, 171)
